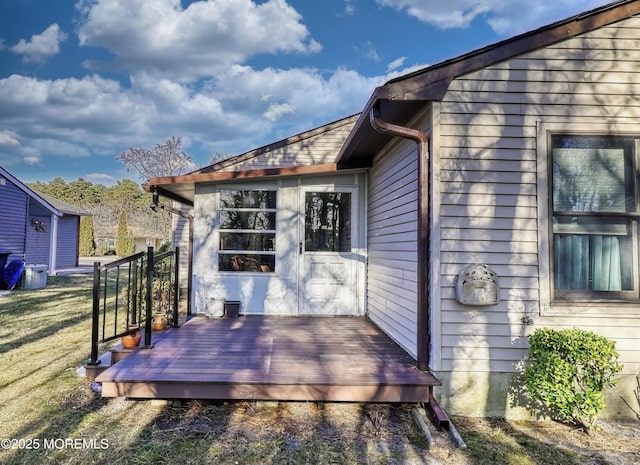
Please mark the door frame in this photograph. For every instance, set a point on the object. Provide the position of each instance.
(356, 246)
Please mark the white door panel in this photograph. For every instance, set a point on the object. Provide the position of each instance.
(328, 271)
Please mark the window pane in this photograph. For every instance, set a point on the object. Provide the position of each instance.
(327, 222)
(259, 220)
(592, 174)
(593, 255)
(247, 241)
(247, 262)
(248, 199)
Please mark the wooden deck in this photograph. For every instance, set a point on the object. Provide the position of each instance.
(271, 357)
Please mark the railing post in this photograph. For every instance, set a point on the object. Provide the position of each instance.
(176, 287)
(133, 286)
(95, 322)
(149, 294)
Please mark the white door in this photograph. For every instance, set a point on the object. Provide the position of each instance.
(327, 249)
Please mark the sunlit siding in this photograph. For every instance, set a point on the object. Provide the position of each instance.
(489, 212)
(314, 147)
(392, 225)
(180, 238)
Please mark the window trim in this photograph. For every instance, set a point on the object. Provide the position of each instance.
(565, 295)
(594, 304)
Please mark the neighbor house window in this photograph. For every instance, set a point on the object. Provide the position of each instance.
(247, 230)
(595, 217)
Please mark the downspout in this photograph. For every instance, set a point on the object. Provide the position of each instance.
(154, 206)
(423, 235)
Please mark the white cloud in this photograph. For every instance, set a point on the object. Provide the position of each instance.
(100, 178)
(349, 8)
(371, 53)
(41, 46)
(395, 64)
(193, 42)
(32, 161)
(505, 17)
(276, 110)
(240, 109)
(9, 138)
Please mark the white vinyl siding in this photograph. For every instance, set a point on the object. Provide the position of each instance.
(488, 158)
(392, 248)
(315, 147)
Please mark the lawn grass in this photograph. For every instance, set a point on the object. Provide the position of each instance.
(45, 405)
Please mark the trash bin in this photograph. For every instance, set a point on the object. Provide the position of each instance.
(4, 255)
(35, 276)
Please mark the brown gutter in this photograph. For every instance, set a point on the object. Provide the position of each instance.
(423, 238)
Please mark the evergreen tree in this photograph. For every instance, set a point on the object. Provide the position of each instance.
(125, 245)
(87, 246)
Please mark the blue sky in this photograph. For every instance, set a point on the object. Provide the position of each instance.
(82, 80)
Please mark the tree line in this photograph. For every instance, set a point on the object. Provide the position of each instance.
(118, 214)
(125, 204)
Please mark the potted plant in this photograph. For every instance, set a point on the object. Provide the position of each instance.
(159, 321)
(131, 340)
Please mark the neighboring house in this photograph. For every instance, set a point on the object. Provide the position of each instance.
(37, 228)
(521, 156)
(107, 240)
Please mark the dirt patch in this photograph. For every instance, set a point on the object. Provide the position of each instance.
(491, 440)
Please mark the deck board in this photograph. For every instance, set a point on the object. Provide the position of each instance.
(268, 357)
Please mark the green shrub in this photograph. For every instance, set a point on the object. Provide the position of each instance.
(87, 243)
(568, 371)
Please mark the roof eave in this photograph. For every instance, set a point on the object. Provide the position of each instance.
(169, 186)
(30, 192)
(432, 83)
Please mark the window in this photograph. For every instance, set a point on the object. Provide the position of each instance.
(327, 225)
(595, 216)
(247, 227)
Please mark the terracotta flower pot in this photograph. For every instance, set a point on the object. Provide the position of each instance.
(159, 322)
(131, 341)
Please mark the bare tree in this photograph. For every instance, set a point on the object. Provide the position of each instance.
(164, 159)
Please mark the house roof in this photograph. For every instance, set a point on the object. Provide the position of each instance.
(31, 193)
(64, 207)
(182, 187)
(400, 99)
(55, 206)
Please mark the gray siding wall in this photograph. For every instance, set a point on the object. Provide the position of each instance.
(38, 242)
(13, 203)
(493, 187)
(180, 238)
(68, 236)
(392, 224)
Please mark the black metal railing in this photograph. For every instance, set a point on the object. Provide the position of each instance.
(129, 291)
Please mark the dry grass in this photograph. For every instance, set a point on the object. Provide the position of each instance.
(44, 338)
